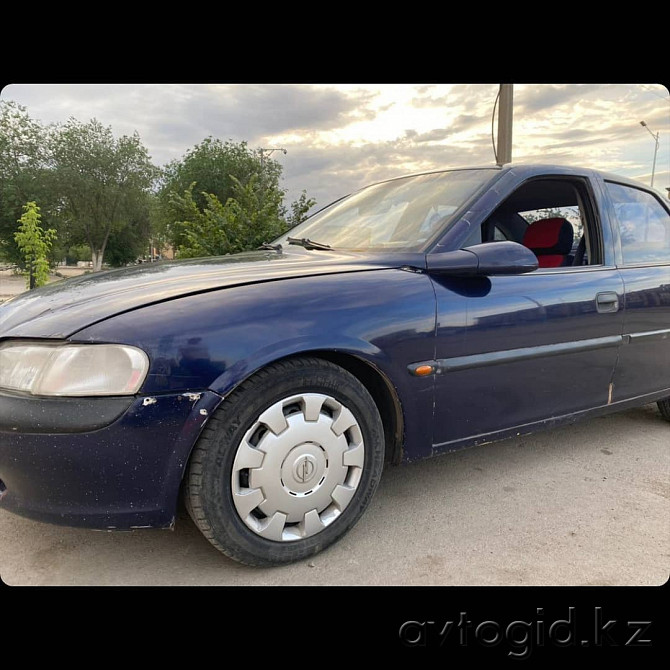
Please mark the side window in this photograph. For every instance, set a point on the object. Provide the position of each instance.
(552, 216)
(573, 215)
(474, 238)
(644, 225)
(477, 236)
(498, 235)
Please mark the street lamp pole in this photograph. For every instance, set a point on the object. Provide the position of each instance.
(269, 153)
(653, 167)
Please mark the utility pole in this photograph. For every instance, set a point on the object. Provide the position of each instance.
(505, 117)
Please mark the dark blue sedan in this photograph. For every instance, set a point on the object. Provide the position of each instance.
(414, 317)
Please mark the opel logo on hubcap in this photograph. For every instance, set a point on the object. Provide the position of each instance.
(304, 468)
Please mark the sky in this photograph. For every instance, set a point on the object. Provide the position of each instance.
(341, 137)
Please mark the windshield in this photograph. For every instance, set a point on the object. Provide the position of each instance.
(400, 214)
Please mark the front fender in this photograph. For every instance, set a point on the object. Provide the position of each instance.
(216, 340)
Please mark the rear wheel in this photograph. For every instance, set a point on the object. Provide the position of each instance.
(287, 464)
(664, 407)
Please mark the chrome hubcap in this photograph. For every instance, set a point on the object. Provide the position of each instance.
(297, 467)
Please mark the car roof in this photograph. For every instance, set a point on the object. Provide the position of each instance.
(530, 169)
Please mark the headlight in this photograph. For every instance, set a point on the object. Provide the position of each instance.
(72, 369)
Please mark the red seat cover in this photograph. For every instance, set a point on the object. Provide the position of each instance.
(550, 240)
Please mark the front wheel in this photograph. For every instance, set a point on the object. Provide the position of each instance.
(664, 407)
(287, 464)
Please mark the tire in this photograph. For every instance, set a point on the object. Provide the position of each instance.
(664, 408)
(287, 464)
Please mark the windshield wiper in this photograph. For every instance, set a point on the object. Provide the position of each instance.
(272, 247)
(307, 243)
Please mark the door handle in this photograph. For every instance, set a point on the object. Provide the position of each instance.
(607, 302)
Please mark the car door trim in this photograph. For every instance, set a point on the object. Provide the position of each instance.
(647, 335)
(444, 365)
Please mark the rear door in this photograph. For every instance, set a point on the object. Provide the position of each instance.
(641, 221)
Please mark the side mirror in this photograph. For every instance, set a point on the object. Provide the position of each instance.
(490, 258)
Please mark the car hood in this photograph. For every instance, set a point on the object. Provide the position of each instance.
(62, 308)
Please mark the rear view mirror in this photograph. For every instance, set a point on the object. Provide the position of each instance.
(490, 258)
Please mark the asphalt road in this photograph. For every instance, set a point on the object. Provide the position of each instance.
(587, 504)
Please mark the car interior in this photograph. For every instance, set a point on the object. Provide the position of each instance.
(552, 217)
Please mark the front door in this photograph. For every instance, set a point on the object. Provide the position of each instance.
(517, 350)
(531, 347)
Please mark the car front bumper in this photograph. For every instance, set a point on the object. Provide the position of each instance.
(105, 463)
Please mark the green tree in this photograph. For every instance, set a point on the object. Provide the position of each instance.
(299, 209)
(24, 174)
(127, 243)
(248, 218)
(77, 252)
(101, 181)
(229, 185)
(215, 167)
(258, 213)
(204, 232)
(34, 243)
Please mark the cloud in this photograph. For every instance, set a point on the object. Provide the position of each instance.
(543, 97)
(456, 96)
(434, 135)
(182, 115)
(340, 138)
(258, 110)
(429, 101)
(331, 172)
